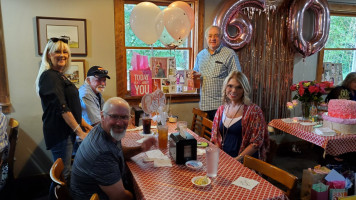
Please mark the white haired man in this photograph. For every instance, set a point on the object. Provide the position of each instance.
(90, 95)
(99, 166)
(213, 65)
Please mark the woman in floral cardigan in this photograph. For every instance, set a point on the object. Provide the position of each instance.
(239, 127)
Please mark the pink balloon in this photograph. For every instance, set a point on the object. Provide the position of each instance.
(230, 15)
(176, 22)
(186, 8)
(321, 26)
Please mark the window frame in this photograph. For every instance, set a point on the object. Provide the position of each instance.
(335, 10)
(120, 48)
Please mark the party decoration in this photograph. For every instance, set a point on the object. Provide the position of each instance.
(155, 103)
(187, 10)
(176, 22)
(144, 24)
(140, 82)
(230, 15)
(320, 30)
(169, 42)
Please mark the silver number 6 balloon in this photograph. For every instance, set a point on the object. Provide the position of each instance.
(230, 15)
(321, 25)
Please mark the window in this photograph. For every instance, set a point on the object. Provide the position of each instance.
(125, 46)
(341, 44)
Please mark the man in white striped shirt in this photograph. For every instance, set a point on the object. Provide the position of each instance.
(213, 65)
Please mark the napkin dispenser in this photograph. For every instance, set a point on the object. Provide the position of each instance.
(182, 149)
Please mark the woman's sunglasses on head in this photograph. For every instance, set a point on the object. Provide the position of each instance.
(54, 39)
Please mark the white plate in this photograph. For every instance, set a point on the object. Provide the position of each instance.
(144, 135)
(199, 177)
(193, 164)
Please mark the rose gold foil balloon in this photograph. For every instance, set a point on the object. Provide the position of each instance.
(230, 15)
(321, 12)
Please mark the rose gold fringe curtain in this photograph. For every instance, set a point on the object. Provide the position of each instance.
(267, 62)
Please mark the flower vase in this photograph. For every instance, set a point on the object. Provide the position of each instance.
(306, 110)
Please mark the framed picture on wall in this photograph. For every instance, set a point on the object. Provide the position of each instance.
(76, 72)
(71, 28)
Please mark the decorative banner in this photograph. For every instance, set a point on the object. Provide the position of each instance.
(140, 82)
(230, 15)
(320, 30)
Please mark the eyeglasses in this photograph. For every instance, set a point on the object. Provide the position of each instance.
(54, 39)
(118, 117)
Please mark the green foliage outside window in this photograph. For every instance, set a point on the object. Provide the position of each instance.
(342, 35)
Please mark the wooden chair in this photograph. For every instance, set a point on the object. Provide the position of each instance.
(198, 116)
(61, 190)
(94, 197)
(13, 135)
(275, 173)
(206, 130)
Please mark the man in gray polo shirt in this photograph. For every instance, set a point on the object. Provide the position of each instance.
(213, 65)
(99, 166)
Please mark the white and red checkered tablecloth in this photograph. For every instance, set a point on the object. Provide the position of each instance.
(333, 145)
(175, 182)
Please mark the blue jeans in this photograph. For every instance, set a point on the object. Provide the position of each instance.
(62, 150)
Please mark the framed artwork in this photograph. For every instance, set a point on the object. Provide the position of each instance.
(74, 29)
(76, 72)
(159, 67)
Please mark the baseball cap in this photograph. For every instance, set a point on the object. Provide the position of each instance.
(98, 71)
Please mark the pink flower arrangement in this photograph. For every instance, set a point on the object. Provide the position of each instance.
(310, 91)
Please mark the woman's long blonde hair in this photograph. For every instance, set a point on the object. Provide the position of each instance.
(46, 63)
(242, 79)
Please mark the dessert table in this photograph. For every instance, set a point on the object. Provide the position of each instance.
(332, 145)
(175, 182)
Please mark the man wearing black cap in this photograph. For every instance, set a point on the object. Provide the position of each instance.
(90, 94)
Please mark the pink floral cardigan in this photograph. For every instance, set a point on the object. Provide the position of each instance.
(254, 129)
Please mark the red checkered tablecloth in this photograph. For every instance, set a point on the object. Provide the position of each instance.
(333, 145)
(175, 182)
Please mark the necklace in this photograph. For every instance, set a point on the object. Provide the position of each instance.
(227, 129)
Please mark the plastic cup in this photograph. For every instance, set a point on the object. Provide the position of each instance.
(196, 81)
(146, 124)
(182, 127)
(162, 136)
(212, 161)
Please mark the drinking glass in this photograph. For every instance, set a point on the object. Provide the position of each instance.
(212, 161)
(146, 124)
(162, 136)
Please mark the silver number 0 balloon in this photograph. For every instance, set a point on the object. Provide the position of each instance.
(321, 25)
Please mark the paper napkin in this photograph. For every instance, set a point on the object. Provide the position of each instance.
(325, 131)
(245, 183)
(162, 162)
(200, 151)
(158, 158)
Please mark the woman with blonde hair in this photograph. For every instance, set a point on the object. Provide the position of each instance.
(62, 113)
(239, 127)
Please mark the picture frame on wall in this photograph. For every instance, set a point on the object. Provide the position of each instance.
(76, 72)
(73, 28)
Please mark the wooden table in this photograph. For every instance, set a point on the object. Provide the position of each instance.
(175, 182)
(333, 145)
